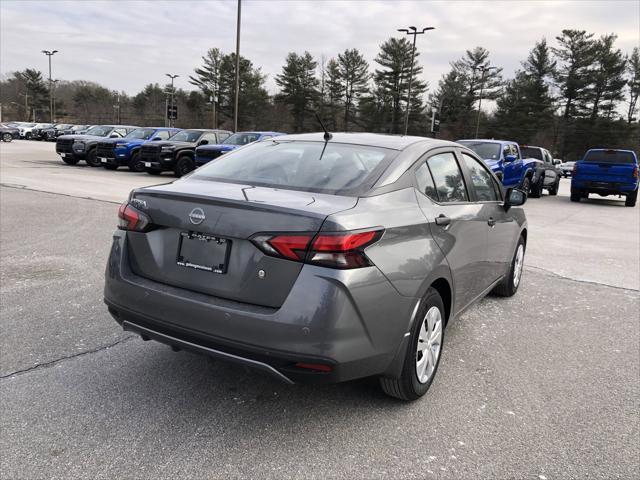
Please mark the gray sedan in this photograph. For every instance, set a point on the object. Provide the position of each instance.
(319, 258)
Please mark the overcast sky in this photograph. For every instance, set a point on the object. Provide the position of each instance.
(125, 45)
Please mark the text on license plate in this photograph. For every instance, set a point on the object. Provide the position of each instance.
(203, 252)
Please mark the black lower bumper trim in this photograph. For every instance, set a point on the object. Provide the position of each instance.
(177, 342)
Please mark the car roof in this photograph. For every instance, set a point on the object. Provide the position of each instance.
(488, 140)
(610, 150)
(261, 132)
(117, 126)
(393, 142)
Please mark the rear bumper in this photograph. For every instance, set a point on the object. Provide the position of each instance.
(353, 321)
(609, 187)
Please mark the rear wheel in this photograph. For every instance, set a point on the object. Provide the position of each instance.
(630, 201)
(7, 137)
(27, 136)
(554, 189)
(423, 353)
(536, 188)
(92, 158)
(184, 165)
(526, 185)
(135, 164)
(509, 285)
(576, 195)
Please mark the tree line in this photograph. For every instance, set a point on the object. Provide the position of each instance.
(579, 92)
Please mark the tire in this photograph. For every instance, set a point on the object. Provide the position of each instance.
(509, 285)
(27, 136)
(410, 386)
(110, 167)
(184, 165)
(536, 188)
(526, 185)
(7, 137)
(153, 171)
(92, 158)
(135, 165)
(630, 201)
(576, 195)
(70, 160)
(554, 190)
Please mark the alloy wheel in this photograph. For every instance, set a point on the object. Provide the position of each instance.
(518, 265)
(429, 343)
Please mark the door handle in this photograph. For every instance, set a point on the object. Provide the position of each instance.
(491, 222)
(443, 220)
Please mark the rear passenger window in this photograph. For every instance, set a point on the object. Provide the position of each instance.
(447, 178)
(163, 134)
(425, 182)
(481, 179)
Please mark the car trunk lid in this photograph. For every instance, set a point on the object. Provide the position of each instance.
(209, 224)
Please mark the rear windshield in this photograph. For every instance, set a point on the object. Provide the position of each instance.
(609, 156)
(341, 169)
(531, 152)
(485, 150)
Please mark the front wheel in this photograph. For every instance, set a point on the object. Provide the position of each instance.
(27, 136)
(423, 352)
(630, 201)
(7, 137)
(184, 165)
(92, 159)
(135, 164)
(526, 185)
(509, 285)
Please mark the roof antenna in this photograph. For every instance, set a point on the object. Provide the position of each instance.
(327, 135)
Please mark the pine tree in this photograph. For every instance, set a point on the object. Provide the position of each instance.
(633, 83)
(608, 77)
(354, 76)
(299, 86)
(35, 91)
(334, 93)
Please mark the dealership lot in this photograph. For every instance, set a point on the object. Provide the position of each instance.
(541, 385)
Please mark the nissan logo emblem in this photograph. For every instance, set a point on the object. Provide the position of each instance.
(197, 216)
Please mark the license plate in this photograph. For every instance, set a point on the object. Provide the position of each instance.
(147, 164)
(203, 252)
(103, 160)
(63, 155)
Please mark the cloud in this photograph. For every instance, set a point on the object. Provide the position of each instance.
(125, 45)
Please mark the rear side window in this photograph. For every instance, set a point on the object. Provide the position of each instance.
(333, 168)
(163, 134)
(447, 178)
(481, 179)
(425, 182)
(609, 156)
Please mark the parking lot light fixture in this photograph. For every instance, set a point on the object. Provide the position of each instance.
(415, 32)
(50, 53)
(483, 69)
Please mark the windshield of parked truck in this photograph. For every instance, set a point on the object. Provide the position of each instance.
(609, 156)
(141, 133)
(531, 152)
(99, 131)
(241, 138)
(186, 136)
(485, 150)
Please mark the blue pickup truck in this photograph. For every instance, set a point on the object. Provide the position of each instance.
(206, 153)
(505, 160)
(606, 172)
(120, 152)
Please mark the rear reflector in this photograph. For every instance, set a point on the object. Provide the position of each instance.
(334, 250)
(317, 367)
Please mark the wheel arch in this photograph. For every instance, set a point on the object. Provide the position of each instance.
(442, 286)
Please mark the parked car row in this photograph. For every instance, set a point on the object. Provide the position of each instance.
(530, 168)
(45, 131)
(151, 149)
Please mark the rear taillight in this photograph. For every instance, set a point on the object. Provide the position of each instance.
(635, 172)
(132, 219)
(334, 250)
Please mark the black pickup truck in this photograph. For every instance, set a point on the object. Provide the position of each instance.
(73, 148)
(177, 154)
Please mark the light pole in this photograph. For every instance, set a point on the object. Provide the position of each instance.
(116, 107)
(55, 85)
(235, 110)
(483, 69)
(50, 54)
(411, 31)
(172, 77)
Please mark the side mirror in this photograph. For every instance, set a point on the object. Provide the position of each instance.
(514, 198)
(510, 158)
(203, 142)
(155, 139)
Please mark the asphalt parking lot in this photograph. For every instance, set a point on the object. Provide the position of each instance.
(543, 385)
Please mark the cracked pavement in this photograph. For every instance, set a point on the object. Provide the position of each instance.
(545, 384)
